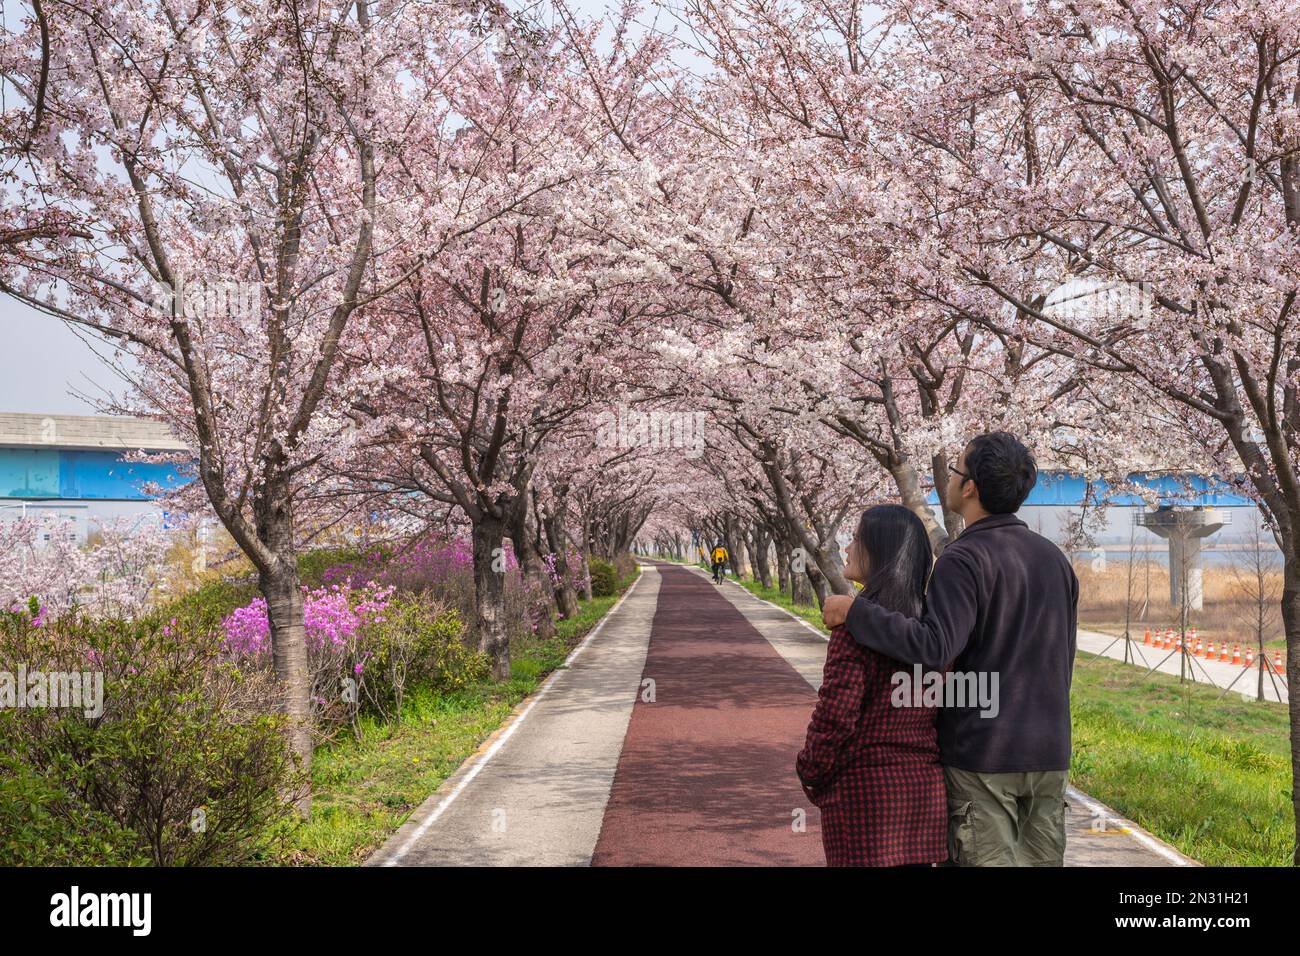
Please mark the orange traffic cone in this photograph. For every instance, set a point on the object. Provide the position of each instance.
(1277, 660)
(1209, 652)
(1236, 654)
(1250, 658)
(1200, 651)
(1146, 638)
(1223, 652)
(1169, 639)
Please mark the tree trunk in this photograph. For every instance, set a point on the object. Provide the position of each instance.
(783, 576)
(732, 546)
(566, 598)
(489, 594)
(586, 556)
(952, 522)
(1291, 625)
(830, 570)
(539, 585)
(537, 581)
(284, 611)
(801, 591)
(820, 586)
(758, 554)
(909, 490)
(1260, 659)
(811, 541)
(746, 554)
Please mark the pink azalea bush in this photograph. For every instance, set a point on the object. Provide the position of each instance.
(334, 616)
(577, 572)
(33, 612)
(366, 643)
(443, 567)
(338, 620)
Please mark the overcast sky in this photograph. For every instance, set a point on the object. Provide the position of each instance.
(45, 367)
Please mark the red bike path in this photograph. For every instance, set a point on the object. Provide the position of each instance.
(707, 775)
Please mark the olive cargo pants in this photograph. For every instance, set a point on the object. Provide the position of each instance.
(1006, 819)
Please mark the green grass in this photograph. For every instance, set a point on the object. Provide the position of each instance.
(809, 612)
(1211, 777)
(365, 789)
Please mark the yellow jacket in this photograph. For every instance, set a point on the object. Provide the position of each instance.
(719, 555)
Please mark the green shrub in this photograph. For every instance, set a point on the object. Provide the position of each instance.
(41, 824)
(203, 607)
(624, 565)
(419, 642)
(604, 580)
(186, 763)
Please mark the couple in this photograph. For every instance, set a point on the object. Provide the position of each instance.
(913, 785)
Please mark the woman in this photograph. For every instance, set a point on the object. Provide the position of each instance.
(873, 768)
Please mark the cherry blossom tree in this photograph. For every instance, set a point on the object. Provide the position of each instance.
(224, 179)
(118, 573)
(1127, 187)
(505, 337)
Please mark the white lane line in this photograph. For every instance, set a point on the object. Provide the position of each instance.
(488, 754)
(1135, 831)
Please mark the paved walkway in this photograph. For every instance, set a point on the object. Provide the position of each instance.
(669, 739)
(534, 794)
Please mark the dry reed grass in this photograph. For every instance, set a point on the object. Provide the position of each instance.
(1231, 599)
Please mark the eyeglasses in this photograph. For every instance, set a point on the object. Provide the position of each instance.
(957, 471)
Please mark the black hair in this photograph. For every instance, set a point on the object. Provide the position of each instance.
(1003, 469)
(899, 557)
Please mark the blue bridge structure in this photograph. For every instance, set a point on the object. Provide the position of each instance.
(76, 466)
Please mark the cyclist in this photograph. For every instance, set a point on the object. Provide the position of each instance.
(719, 562)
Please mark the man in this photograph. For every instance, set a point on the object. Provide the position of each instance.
(719, 560)
(1002, 600)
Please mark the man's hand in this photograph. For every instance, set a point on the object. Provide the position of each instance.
(836, 609)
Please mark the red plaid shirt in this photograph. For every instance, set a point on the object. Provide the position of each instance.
(872, 768)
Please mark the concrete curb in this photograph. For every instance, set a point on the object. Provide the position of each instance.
(1124, 825)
